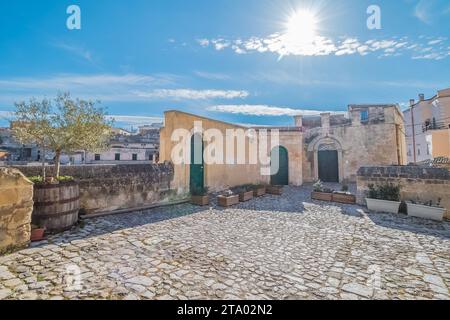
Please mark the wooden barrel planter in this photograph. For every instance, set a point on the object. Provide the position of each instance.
(56, 206)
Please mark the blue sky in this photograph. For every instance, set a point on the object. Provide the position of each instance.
(225, 59)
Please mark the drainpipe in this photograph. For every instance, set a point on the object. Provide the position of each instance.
(413, 130)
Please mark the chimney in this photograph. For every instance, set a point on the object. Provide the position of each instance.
(298, 121)
(421, 97)
(411, 102)
(325, 118)
(356, 117)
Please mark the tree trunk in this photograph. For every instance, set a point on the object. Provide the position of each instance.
(43, 163)
(57, 164)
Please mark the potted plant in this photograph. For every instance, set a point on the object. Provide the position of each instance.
(321, 193)
(228, 198)
(200, 197)
(344, 196)
(245, 193)
(384, 198)
(275, 190)
(62, 125)
(426, 210)
(259, 190)
(37, 234)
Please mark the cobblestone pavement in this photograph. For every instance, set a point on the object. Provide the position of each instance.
(285, 247)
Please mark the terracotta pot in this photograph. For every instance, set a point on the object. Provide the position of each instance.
(227, 201)
(245, 196)
(321, 196)
(37, 234)
(200, 200)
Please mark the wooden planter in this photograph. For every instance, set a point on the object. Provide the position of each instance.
(245, 196)
(321, 196)
(228, 201)
(275, 190)
(259, 192)
(56, 206)
(200, 200)
(344, 198)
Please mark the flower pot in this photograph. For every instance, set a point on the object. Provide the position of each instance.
(321, 196)
(275, 190)
(228, 201)
(383, 205)
(200, 200)
(37, 234)
(425, 212)
(259, 192)
(245, 196)
(344, 198)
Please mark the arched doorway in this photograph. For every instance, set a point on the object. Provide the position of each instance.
(279, 166)
(328, 163)
(197, 167)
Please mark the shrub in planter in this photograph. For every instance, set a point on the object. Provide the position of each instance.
(245, 193)
(275, 190)
(426, 210)
(200, 197)
(384, 198)
(228, 199)
(321, 193)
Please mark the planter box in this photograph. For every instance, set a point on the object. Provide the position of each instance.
(383, 205)
(228, 201)
(425, 212)
(259, 192)
(200, 200)
(344, 198)
(322, 196)
(245, 196)
(276, 190)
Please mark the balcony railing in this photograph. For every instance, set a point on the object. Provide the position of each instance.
(435, 126)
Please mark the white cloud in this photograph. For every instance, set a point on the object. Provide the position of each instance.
(265, 110)
(135, 120)
(76, 50)
(191, 94)
(212, 76)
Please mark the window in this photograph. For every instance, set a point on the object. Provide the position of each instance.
(409, 153)
(364, 115)
(97, 157)
(117, 157)
(134, 157)
(418, 151)
(150, 157)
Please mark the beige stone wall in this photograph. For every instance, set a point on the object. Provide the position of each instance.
(416, 183)
(372, 144)
(16, 206)
(220, 177)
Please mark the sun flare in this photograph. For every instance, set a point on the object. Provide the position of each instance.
(301, 27)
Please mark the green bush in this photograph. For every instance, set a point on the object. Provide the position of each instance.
(388, 192)
(60, 179)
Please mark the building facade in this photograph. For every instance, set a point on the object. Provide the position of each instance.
(427, 124)
(329, 147)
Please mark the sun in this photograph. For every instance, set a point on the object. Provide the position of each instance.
(301, 27)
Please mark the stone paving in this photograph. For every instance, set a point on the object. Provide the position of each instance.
(286, 247)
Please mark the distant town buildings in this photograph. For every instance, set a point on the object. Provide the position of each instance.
(427, 124)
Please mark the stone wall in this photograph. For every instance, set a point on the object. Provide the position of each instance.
(422, 183)
(106, 188)
(16, 206)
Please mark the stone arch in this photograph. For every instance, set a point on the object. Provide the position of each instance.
(323, 143)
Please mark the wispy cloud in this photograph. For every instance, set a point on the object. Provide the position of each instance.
(191, 94)
(78, 51)
(135, 120)
(429, 11)
(212, 75)
(266, 110)
(109, 87)
(283, 45)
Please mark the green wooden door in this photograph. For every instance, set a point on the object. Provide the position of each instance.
(197, 175)
(328, 166)
(279, 177)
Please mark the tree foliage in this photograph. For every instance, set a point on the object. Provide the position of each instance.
(62, 125)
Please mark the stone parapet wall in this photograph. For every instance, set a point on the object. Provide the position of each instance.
(106, 188)
(16, 206)
(416, 183)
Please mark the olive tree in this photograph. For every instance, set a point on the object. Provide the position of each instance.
(63, 125)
